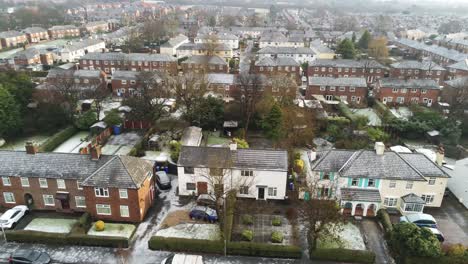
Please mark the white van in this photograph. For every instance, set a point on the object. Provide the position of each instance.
(183, 259)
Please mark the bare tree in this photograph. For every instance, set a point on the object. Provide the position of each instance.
(189, 89)
(250, 92)
(283, 89)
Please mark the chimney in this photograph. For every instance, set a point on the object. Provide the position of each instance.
(95, 152)
(379, 148)
(31, 148)
(440, 153)
(312, 154)
(233, 146)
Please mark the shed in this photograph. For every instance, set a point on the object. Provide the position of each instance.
(229, 127)
(433, 137)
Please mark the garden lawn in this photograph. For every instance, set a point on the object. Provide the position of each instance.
(349, 238)
(192, 231)
(113, 230)
(213, 139)
(20, 143)
(51, 225)
(73, 144)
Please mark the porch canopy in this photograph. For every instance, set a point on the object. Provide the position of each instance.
(360, 195)
(412, 203)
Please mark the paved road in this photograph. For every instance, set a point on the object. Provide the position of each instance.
(375, 241)
(452, 220)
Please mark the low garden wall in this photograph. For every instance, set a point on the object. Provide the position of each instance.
(217, 247)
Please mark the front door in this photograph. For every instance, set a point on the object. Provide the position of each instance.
(65, 204)
(202, 188)
(261, 193)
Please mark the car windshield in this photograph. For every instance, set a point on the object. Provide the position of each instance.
(8, 214)
(34, 255)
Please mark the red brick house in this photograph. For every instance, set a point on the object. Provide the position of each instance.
(113, 61)
(205, 64)
(12, 38)
(457, 70)
(127, 83)
(411, 69)
(63, 31)
(278, 66)
(454, 91)
(36, 34)
(397, 91)
(221, 85)
(371, 70)
(115, 188)
(352, 90)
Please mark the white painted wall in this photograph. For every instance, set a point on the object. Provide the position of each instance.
(263, 44)
(301, 58)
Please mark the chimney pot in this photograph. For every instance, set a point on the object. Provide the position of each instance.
(379, 148)
(31, 148)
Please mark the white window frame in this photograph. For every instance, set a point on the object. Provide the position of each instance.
(45, 198)
(242, 190)
(353, 180)
(247, 173)
(24, 181)
(190, 189)
(392, 184)
(105, 207)
(61, 184)
(428, 198)
(10, 195)
(432, 181)
(391, 201)
(80, 198)
(122, 211)
(409, 185)
(6, 181)
(41, 183)
(123, 193)
(272, 191)
(101, 192)
(78, 186)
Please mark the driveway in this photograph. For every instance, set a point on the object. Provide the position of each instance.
(452, 220)
(375, 241)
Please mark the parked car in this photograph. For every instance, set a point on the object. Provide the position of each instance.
(163, 180)
(421, 220)
(29, 256)
(208, 200)
(183, 259)
(437, 233)
(11, 217)
(204, 213)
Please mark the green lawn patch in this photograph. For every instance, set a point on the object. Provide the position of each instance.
(113, 230)
(51, 225)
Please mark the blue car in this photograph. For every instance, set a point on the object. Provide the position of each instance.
(203, 213)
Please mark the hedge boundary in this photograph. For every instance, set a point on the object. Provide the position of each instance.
(344, 109)
(384, 218)
(58, 138)
(217, 247)
(438, 260)
(344, 255)
(28, 236)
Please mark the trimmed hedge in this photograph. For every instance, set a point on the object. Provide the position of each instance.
(27, 236)
(276, 237)
(58, 138)
(247, 219)
(344, 109)
(247, 235)
(384, 218)
(217, 247)
(344, 255)
(276, 221)
(439, 260)
(187, 245)
(230, 207)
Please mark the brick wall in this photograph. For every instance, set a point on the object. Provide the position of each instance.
(360, 93)
(108, 67)
(203, 68)
(417, 96)
(371, 74)
(290, 71)
(438, 76)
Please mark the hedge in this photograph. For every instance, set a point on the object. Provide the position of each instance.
(439, 260)
(384, 218)
(344, 255)
(344, 109)
(58, 138)
(27, 236)
(217, 247)
(230, 207)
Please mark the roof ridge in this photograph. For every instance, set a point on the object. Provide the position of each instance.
(99, 169)
(409, 164)
(351, 159)
(126, 168)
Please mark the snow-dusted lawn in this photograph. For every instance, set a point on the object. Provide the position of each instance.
(192, 231)
(113, 230)
(20, 143)
(73, 144)
(402, 112)
(350, 238)
(51, 225)
(370, 113)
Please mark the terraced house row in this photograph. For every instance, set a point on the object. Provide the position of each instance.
(116, 188)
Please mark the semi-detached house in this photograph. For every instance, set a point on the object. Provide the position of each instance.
(364, 181)
(116, 188)
(253, 173)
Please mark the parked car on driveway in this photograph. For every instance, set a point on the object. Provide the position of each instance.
(183, 259)
(29, 256)
(163, 180)
(437, 233)
(208, 200)
(421, 220)
(204, 213)
(11, 217)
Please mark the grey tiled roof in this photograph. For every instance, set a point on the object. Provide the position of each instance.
(367, 164)
(357, 194)
(125, 75)
(346, 63)
(220, 78)
(330, 81)
(409, 84)
(461, 65)
(437, 50)
(203, 59)
(458, 83)
(203, 46)
(175, 41)
(285, 50)
(81, 44)
(27, 54)
(273, 36)
(212, 157)
(121, 172)
(87, 73)
(10, 34)
(129, 57)
(412, 198)
(63, 27)
(417, 65)
(280, 61)
(32, 30)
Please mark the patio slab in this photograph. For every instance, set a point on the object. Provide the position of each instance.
(262, 228)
